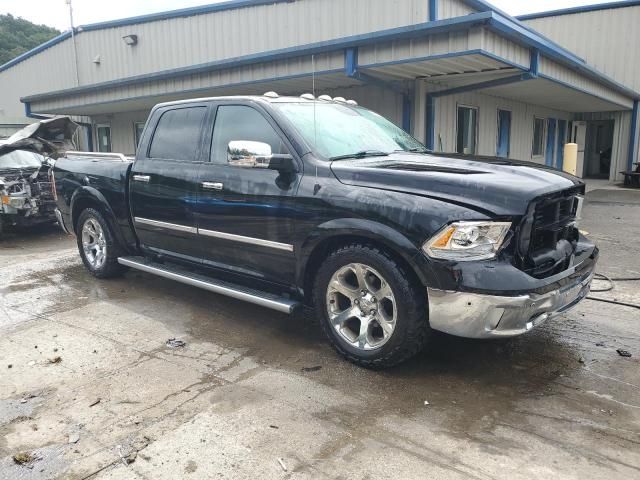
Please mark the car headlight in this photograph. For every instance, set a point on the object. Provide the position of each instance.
(465, 241)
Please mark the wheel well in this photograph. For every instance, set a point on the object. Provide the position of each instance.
(326, 247)
(79, 206)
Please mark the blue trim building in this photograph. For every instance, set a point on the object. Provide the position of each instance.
(460, 75)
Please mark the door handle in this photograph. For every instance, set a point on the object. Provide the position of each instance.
(141, 178)
(212, 186)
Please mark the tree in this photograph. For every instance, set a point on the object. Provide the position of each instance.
(18, 36)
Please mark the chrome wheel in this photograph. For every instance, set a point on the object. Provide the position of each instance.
(361, 306)
(94, 243)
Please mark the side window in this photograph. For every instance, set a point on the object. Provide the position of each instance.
(177, 135)
(242, 123)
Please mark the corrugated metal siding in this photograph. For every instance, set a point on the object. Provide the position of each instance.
(607, 39)
(412, 49)
(521, 123)
(49, 71)
(227, 34)
(205, 81)
(122, 129)
(8, 130)
(507, 49)
(621, 132)
(453, 8)
(563, 74)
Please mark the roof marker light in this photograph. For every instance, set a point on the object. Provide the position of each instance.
(308, 96)
(352, 102)
(271, 95)
(340, 100)
(325, 98)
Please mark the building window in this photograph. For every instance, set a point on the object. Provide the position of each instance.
(103, 134)
(138, 128)
(539, 127)
(177, 136)
(467, 136)
(504, 134)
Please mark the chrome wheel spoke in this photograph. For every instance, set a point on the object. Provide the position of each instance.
(384, 292)
(94, 243)
(363, 337)
(343, 289)
(361, 306)
(361, 274)
(338, 320)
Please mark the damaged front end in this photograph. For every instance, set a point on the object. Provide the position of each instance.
(27, 195)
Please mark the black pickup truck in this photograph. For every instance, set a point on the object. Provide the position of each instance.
(288, 202)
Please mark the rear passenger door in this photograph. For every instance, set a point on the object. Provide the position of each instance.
(163, 181)
(246, 216)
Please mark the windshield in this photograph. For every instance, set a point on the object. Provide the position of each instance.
(345, 131)
(20, 159)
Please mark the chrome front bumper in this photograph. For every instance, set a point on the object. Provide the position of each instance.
(472, 315)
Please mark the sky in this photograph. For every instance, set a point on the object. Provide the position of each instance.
(56, 14)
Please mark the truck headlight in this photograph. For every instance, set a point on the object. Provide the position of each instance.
(465, 241)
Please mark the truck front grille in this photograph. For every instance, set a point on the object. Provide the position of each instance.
(549, 235)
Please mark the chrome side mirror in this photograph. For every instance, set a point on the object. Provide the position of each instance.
(249, 154)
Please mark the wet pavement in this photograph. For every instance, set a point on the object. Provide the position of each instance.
(90, 389)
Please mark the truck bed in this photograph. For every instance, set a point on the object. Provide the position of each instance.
(81, 176)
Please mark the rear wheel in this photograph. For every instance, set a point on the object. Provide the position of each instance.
(371, 310)
(97, 244)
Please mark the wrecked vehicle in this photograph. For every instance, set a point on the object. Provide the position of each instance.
(285, 202)
(26, 190)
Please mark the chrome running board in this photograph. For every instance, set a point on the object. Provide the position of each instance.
(187, 277)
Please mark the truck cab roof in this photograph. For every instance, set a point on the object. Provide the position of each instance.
(269, 97)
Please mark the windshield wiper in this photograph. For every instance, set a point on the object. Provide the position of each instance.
(414, 150)
(362, 154)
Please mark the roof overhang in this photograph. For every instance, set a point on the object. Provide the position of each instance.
(68, 101)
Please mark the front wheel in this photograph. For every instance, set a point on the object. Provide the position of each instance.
(98, 246)
(371, 309)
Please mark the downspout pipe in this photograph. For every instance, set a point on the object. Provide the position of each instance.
(633, 136)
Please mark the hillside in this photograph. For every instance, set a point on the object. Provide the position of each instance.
(18, 36)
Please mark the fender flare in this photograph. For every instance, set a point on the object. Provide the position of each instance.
(90, 193)
(375, 231)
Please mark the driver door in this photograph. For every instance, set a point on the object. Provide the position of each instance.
(245, 212)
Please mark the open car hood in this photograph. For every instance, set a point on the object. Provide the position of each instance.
(51, 138)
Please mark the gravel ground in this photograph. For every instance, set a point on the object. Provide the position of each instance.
(89, 388)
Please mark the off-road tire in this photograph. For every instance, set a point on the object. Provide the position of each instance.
(111, 268)
(412, 329)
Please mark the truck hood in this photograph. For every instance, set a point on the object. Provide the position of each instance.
(52, 138)
(490, 185)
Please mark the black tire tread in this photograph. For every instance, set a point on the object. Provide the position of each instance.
(418, 331)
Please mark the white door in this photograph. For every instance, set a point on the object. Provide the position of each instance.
(579, 136)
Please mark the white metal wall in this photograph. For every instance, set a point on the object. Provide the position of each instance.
(607, 39)
(566, 75)
(122, 129)
(453, 8)
(521, 123)
(187, 41)
(232, 76)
